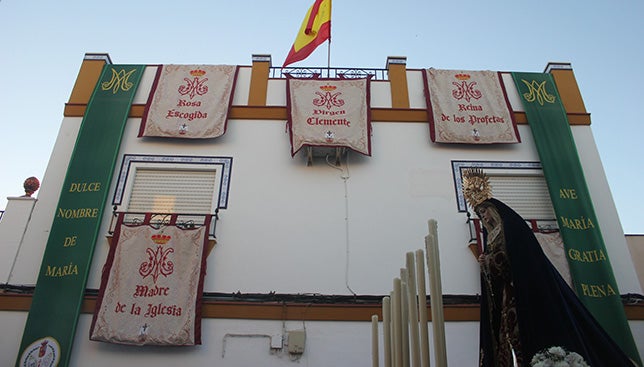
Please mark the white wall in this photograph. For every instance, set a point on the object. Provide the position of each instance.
(241, 343)
(291, 228)
(285, 229)
(327, 344)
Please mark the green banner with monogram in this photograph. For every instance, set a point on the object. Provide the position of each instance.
(49, 332)
(590, 267)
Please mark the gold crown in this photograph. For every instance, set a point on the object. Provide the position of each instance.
(160, 239)
(197, 72)
(476, 186)
(328, 88)
(461, 76)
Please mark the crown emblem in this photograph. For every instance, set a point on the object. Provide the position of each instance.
(197, 72)
(328, 88)
(462, 76)
(160, 239)
(476, 187)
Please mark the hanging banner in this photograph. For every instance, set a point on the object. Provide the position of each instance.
(590, 267)
(57, 299)
(152, 284)
(329, 113)
(469, 107)
(189, 101)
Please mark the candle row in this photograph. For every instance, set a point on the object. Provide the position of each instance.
(404, 312)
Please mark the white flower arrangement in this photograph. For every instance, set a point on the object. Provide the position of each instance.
(557, 357)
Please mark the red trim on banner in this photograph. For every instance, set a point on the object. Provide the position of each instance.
(507, 102)
(230, 99)
(105, 275)
(155, 84)
(202, 275)
(430, 111)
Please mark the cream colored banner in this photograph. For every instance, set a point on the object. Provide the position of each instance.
(151, 286)
(469, 107)
(329, 112)
(189, 101)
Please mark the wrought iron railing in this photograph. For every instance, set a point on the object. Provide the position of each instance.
(157, 220)
(322, 72)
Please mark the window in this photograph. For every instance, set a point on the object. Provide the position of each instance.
(172, 191)
(172, 185)
(525, 192)
(520, 185)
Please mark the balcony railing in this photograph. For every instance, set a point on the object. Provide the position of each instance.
(158, 220)
(321, 72)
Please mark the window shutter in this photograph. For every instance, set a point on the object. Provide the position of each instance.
(526, 194)
(172, 191)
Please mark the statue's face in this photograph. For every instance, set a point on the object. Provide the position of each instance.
(485, 213)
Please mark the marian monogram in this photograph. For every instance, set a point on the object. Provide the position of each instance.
(328, 99)
(464, 89)
(158, 262)
(537, 92)
(120, 81)
(195, 86)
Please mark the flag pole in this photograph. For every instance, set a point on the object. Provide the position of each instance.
(328, 53)
(328, 58)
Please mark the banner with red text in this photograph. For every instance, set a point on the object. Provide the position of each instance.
(469, 107)
(329, 113)
(189, 101)
(151, 286)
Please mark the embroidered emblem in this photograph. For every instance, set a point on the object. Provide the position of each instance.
(195, 86)
(158, 262)
(465, 90)
(329, 136)
(120, 81)
(43, 352)
(327, 99)
(537, 92)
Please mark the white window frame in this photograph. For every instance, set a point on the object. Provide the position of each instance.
(500, 169)
(132, 162)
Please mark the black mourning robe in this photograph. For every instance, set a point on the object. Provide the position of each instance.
(549, 312)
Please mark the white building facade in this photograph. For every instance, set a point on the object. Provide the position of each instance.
(305, 246)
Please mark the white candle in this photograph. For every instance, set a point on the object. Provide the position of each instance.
(374, 340)
(404, 317)
(438, 321)
(422, 308)
(386, 330)
(412, 310)
(396, 317)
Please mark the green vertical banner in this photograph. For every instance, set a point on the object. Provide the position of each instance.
(590, 267)
(49, 332)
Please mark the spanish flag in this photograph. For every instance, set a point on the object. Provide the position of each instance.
(315, 29)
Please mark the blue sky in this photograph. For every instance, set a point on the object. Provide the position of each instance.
(43, 44)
